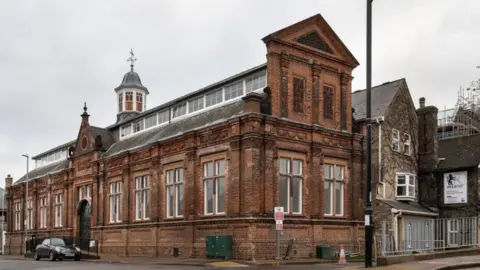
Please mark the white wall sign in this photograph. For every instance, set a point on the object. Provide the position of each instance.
(455, 187)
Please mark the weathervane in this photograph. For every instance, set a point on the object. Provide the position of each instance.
(132, 59)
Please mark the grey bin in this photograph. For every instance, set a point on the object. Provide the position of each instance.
(325, 252)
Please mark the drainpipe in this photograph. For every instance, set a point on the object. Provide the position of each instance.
(396, 213)
(379, 123)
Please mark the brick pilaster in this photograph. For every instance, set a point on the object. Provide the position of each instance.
(270, 182)
(190, 186)
(155, 196)
(316, 184)
(251, 148)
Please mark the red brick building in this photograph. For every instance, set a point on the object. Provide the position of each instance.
(215, 161)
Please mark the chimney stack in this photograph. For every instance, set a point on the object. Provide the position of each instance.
(422, 102)
(252, 102)
(427, 153)
(8, 181)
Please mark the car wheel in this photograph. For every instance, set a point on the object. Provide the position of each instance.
(60, 259)
(52, 256)
(76, 258)
(36, 257)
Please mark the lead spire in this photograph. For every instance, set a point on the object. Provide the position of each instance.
(132, 59)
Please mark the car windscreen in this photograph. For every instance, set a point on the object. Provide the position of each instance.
(57, 242)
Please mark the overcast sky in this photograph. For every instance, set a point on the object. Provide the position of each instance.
(54, 55)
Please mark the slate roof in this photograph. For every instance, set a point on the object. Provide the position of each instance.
(51, 168)
(382, 96)
(410, 206)
(176, 128)
(131, 79)
(56, 148)
(105, 134)
(459, 152)
(205, 89)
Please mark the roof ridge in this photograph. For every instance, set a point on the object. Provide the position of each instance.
(54, 148)
(192, 94)
(382, 84)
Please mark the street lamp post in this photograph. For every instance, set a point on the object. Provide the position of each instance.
(26, 201)
(368, 193)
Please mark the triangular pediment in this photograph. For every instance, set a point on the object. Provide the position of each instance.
(316, 35)
(315, 41)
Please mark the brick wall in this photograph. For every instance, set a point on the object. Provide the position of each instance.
(250, 240)
(252, 146)
(251, 191)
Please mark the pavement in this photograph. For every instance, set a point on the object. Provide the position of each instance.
(20, 263)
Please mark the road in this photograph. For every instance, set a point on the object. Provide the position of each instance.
(72, 265)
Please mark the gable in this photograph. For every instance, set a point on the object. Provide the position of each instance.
(315, 41)
(315, 35)
(382, 97)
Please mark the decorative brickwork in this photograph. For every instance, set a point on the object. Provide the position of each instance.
(230, 171)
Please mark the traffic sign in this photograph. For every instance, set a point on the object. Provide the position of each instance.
(279, 227)
(278, 210)
(278, 221)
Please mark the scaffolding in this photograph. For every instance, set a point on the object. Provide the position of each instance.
(464, 118)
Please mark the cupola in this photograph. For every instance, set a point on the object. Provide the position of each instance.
(131, 94)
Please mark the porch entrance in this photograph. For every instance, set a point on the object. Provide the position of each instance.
(84, 224)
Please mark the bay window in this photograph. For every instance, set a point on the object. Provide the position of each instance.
(405, 185)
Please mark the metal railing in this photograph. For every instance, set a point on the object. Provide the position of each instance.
(428, 235)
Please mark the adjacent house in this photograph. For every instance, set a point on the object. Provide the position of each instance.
(395, 162)
(450, 170)
(216, 161)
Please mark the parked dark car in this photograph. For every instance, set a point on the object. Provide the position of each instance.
(55, 248)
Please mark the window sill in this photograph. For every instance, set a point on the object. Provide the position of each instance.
(293, 214)
(334, 216)
(141, 220)
(115, 222)
(405, 198)
(220, 215)
(174, 218)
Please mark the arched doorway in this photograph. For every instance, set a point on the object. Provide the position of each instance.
(84, 223)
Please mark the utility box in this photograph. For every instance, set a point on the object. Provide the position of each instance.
(325, 252)
(219, 246)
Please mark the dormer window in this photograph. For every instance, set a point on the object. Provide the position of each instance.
(126, 130)
(179, 110)
(138, 126)
(139, 102)
(406, 184)
(129, 101)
